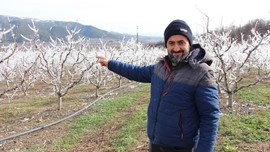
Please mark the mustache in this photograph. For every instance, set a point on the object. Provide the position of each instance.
(176, 51)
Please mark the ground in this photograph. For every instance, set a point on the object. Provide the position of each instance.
(43, 139)
(99, 141)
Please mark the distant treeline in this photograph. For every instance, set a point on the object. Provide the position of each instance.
(260, 25)
(236, 32)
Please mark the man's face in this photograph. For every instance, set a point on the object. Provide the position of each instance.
(178, 48)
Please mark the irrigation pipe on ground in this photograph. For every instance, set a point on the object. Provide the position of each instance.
(63, 119)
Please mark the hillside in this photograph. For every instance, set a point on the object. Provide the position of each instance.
(57, 29)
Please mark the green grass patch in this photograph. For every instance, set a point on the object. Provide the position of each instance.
(238, 129)
(15, 111)
(259, 94)
(99, 114)
(132, 130)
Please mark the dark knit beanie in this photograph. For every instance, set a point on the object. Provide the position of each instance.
(178, 27)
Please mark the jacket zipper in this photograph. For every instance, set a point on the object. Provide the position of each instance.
(180, 124)
(171, 76)
(169, 84)
(160, 96)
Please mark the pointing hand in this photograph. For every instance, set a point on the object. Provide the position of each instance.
(102, 60)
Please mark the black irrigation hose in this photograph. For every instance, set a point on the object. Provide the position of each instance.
(63, 119)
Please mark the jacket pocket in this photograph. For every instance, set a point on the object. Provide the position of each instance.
(181, 126)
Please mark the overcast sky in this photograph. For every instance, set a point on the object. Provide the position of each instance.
(151, 16)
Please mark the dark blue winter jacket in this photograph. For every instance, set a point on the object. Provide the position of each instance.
(184, 109)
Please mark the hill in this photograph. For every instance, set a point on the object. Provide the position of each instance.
(50, 28)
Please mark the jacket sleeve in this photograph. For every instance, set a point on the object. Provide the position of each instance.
(208, 107)
(131, 72)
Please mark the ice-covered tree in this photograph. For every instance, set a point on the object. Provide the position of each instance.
(64, 64)
(98, 75)
(129, 51)
(16, 66)
(236, 61)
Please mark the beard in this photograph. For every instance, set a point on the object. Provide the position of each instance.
(176, 59)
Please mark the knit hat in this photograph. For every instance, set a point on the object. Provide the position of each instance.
(178, 27)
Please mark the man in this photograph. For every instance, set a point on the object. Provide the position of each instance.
(183, 112)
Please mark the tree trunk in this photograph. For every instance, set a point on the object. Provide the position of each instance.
(97, 88)
(119, 82)
(219, 90)
(230, 99)
(59, 98)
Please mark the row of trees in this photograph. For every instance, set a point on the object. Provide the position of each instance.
(64, 63)
(61, 64)
(238, 63)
